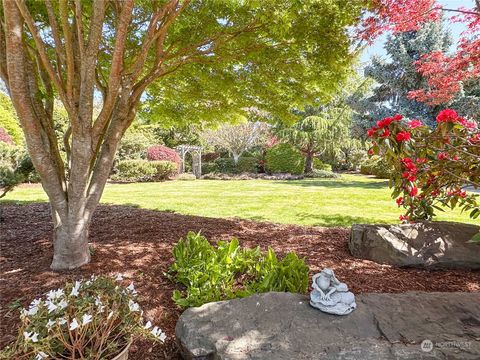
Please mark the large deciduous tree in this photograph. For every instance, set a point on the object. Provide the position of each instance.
(263, 53)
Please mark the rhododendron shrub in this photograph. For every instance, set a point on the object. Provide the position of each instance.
(163, 153)
(432, 167)
(4, 137)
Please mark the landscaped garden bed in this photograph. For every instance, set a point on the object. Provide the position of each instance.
(139, 243)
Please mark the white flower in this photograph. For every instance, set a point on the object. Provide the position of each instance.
(158, 333)
(62, 304)
(133, 306)
(148, 325)
(75, 288)
(32, 310)
(41, 355)
(62, 321)
(34, 338)
(119, 277)
(86, 319)
(35, 302)
(55, 294)
(110, 315)
(131, 288)
(51, 306)
(50, 324)
(28, 336)
(73, 325)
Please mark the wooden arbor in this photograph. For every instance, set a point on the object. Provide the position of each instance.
(196, 152)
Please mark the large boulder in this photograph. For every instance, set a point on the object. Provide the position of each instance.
(283, 326)
(426, 244)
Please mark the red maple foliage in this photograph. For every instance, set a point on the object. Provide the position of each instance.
(444, 73)
(163, 153)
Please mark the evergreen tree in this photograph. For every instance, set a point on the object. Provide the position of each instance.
(397, 76)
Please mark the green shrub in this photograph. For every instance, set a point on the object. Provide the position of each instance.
(228, 166)
(143, 170)
(284, 158)
(133, 146)
(322, 174)
(320, 165)
(186, 176)
(377, 166)
(209, 167)
(227, 271)
(15, 167)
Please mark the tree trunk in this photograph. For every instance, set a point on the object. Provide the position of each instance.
(308, 163)
(236, 157)
(70, 242)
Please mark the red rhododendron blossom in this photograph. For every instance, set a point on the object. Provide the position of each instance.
(371, 132)
(475, 139)
(384, 122)
(413, 191)
(370, 152)
(385, 133)
(447, 115)
(399, 201)
(403, 136)
(412, 124)
(421, 160)
(403, 218)
(442, 156)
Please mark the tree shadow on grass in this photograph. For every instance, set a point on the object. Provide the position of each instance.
(339, 220)
(339, 184)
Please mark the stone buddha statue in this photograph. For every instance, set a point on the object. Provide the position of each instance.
(330, 295)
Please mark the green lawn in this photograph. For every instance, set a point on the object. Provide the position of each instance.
(325, 202)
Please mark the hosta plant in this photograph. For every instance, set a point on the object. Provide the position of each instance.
(89, 319)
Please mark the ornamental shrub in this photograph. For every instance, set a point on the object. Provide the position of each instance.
(96, 318)
(432, 166)
(163, 153)
(322, 174)
(143, 170)
(320, 165)
(133, 145)
(15, 167)
(228, 166)
(186, 177)
(377, 166)
(226, 271)
(284, 158)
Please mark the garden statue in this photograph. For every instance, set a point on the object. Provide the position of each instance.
(330, 295)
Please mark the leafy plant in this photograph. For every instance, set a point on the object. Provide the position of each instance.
(284, 158)
(93, 319)
(227, 271)
(142, 170)
(163, 153)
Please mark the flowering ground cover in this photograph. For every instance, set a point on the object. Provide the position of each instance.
(139, 242)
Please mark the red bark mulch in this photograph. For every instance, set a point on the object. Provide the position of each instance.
(139, 242)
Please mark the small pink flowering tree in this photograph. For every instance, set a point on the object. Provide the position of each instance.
(433, 167)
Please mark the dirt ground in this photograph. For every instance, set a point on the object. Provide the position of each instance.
(139, 243)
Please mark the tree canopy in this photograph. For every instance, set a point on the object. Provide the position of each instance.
(200, 60)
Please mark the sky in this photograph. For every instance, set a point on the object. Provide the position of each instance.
(455, 29)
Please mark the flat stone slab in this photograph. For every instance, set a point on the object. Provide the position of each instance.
(283, 326)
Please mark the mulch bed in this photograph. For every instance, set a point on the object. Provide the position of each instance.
(139, 242)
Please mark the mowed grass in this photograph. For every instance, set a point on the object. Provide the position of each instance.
(320, 202)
